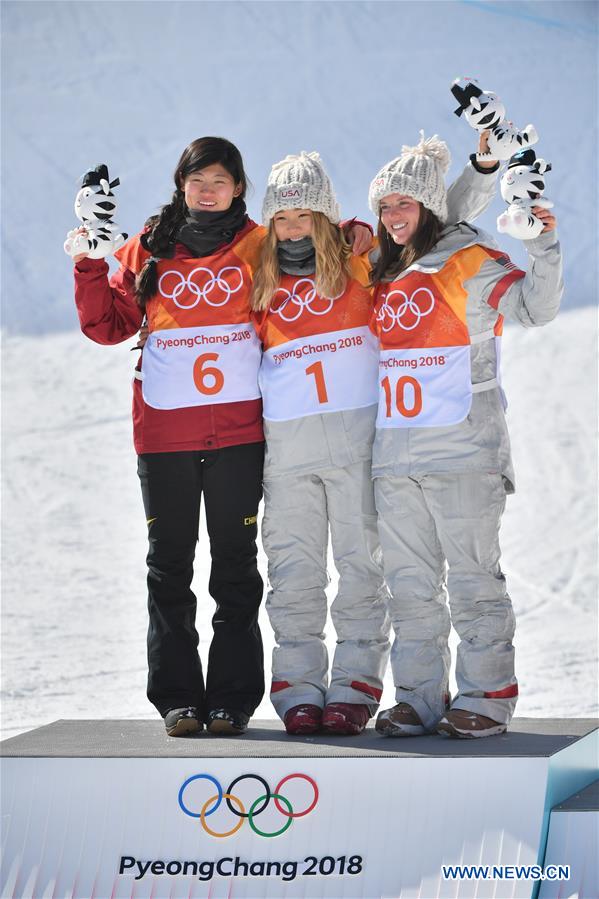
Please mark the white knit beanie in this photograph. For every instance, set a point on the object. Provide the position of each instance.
(419, 173)
(300, 182)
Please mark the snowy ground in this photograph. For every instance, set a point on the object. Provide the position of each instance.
(74, 620)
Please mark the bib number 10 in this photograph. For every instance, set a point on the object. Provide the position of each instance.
(408, 396)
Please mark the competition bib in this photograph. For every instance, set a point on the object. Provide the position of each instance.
(200, 366)
(326, 372)
(425, 371)
(424, 388)
(202, 348)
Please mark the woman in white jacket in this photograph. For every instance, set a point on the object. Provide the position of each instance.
(441, 455)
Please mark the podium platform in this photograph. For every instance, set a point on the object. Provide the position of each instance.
(118, 809)
(574, 834)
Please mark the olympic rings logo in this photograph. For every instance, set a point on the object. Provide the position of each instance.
(236, 806)
(201, 291)
(409, 313)
(284, 301)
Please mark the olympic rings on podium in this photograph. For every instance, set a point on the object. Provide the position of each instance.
(286, 825)
(258, 806)
(203, 813)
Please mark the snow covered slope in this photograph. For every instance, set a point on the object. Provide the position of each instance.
(132, 83)
(74, 616)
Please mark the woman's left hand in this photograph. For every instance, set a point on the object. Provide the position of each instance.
(483, 147)
(144, 333)
(359, 238)
(546, 216)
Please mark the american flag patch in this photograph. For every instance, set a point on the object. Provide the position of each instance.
(506, 262)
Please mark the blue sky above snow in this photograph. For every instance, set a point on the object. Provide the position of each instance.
(132, 83)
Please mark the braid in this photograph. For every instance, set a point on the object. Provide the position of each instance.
(158, 240)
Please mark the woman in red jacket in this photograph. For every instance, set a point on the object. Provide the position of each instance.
(197, 419)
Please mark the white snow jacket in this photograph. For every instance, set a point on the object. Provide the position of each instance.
(480, 442)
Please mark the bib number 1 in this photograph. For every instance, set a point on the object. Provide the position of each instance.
(408, 396)
(321, 388)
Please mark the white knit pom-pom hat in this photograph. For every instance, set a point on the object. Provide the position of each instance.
(300, 182)
(419, 173)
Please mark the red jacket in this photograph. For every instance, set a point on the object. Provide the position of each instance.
(109, 314)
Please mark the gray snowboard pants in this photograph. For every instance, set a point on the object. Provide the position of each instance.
(428, 524)
(298, 511)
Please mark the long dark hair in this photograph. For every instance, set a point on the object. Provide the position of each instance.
(394, 258)
(161, 228)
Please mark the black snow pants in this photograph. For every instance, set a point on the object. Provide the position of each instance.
(172, 484)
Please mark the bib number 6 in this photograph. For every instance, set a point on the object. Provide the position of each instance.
(207, 378)
(408, 396)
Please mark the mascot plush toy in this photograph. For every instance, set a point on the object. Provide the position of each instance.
(484, 111)
(95, 205)
(522, 185)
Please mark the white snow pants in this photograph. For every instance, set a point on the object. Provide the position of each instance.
(428, 524)
(298, 510)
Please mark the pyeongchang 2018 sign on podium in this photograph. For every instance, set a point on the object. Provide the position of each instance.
(110, 828)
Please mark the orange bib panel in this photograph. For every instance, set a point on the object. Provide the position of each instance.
(425, 370)
(319, 353)
(202, 348)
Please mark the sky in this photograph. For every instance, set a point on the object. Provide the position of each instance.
(132, 83)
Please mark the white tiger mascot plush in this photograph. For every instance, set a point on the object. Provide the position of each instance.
(522, 185)
(95, 205)
(484, 111)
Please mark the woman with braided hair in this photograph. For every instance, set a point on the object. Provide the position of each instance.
(197, 421)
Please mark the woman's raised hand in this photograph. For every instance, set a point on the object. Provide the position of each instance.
(547, 216)
(81, 231)
(483, 147)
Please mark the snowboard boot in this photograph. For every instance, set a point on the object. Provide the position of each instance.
(303, 719)
(400, 721)
(182, 722)
(345, 718)
(468, 725)
(227, 722)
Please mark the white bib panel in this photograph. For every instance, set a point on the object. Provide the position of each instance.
(184, 367)
(424, 388)
(325, 373)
